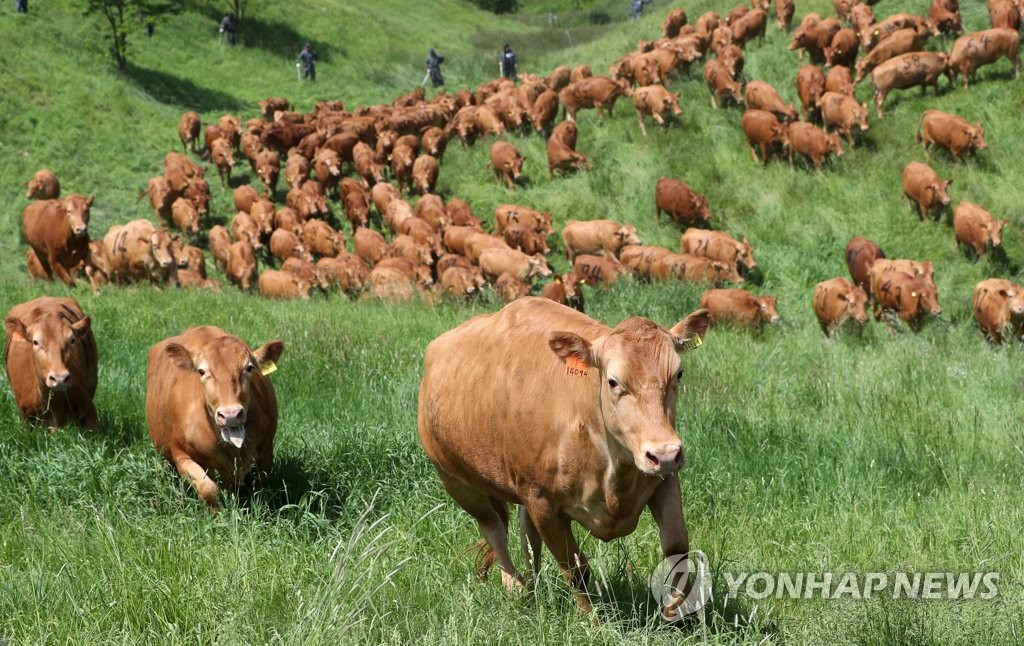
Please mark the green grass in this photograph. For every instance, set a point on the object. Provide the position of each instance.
(864, 453)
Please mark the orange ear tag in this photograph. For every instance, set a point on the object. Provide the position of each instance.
(576, 367)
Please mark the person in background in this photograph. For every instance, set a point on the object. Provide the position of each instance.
(228, 25)
(307, 58)
(21, 6)
(508, 63)
(434, 61)
(636, 7)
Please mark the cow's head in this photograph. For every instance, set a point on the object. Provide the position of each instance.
(53, 337)
(160, 242)
(856, 299)
(745, 254)
(77, 209)
(572, 283)
(940, 192)
(538, 267)
(226, 368)
(767, 306)
(977, 135)
(995, 232)
(640, 371)
(627, 235)
(1014, 300)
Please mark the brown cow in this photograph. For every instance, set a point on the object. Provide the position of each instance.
(976, 228)
(880, 31)
(638, 259)
(58, 233)
(684, 205)
(982, 48)
(434, 142)
(924, 188)
(461, 281)
(243, 227)
(413, 250)
(51, 362)
(718, 245)
(597, 237)
(526, 239)
(766, 132)
(810, 85)
(509, 288)
(220, 155)
(507, 163)
(837, 301)
(211, 408)
(739, 307)
(244, 197)
(347, 271)
(862, 16)
(241, 265)
(812, 142)
(721, 83)
(507, 214)
(999, 309)
(595, 364)
(370, 245)
(218, 241)
(784, 10)
(673, 22)
(285, 244)
(879, 270)
(268, 169)
(198, 192)
(843, 49)
(327, 167)
(543, 112)
(952, 132)
(185, 215)
(905, 71)
(161, 197)
(762, 96)
(656, 101)
(861, 253)
(138, 250)
(901, 42)
(187, 257)
(751, 24)
(599, 271)
(566, 289)
(689, 268)
(813, 35)
(944, 16)
(189, 128)
(562, 156)
(840, 80)
(842, 112)
(320, 239)
(905, 296)
(424, 174)
(1004, 14)
(281, 284)
(495, 261)
(44, 185)
(599, 92)
(296, 170)
(307, 271)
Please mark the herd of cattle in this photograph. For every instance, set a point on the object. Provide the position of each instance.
(371, 159)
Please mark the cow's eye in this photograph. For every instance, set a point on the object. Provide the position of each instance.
(201, 371)
(679, 375)
(35, 342)
(248, 367)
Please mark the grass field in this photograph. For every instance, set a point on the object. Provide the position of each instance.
(867, 453)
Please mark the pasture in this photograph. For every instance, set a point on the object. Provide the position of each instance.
(867, 453)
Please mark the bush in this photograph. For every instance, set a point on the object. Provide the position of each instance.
(498, 6)
(599, 17)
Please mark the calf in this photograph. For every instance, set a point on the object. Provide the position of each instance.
(599, 271)
(976, 228)
(684, 205)
(842, 112)
(599, 92)
(51, 362)
(566, 289)
(185, 215)
(901, 42)
(840, 80)
(784, 10)
(320, 239)
(139, 250)
(526, 239)
(507, 163)
(495, 261)
(843, 49)
(721, 83)
(720, 246)
(810, 85)
(44, 185)
(739, 307)
(861, 253)
(766, 133)
(424, 174)
(952, 132)
(189, 127)
(907, 297)
(562, 155)
(211, 408)
(222, 158)
(241, 265)
(999, 309)
(925, 189)
(283, 285)
(285, 244)
(599, 237)
(656, 101)
(837, 301)
(812, 142)
(905, 71)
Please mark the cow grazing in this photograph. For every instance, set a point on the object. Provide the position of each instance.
(495, 261)
(599, 271)
(562, 155)
(925, 190)
(507, 163)
(189, 128)
(837, 301)
(721, 83)
(210, 407)
(44, 185)
(656, 101)
(843, 113)
(508, 214)
(597, 237)
(976, 228)
(526, 239)
(999, 309)
(907, 297)
(860, 254)
(739, 307)
(280, 284)
(58, 233)
(905, 71)
(617, 397)
(812, 143)
(971, 51)
(566, 289)
(766, 133)
(51, 362)
(952, 132)
(685, 206)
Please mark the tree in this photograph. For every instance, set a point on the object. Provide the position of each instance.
(124, 17)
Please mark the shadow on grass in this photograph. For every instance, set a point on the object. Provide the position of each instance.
(178, 90)
(277, 38)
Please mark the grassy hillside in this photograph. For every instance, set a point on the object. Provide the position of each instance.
(868, 453)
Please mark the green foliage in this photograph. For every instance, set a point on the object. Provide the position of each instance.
(867, 452)
(498, 6)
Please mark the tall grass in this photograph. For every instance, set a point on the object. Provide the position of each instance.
(869, 452)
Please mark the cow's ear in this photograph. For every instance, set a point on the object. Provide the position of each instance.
(180, 357)
(689, 332)
(269, 353)
(88, 202)
(16, 328)
(570, 344)
(81, 326)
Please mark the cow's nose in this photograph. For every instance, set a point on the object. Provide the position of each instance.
(80, 231)
(58, 380)
(665, 458)
(230, 415)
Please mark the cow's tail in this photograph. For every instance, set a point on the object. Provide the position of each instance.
(484, 557)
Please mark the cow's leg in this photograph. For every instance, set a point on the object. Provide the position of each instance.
(640, 119)
(666, 507)
(493, 527)
(556, 531)
(530, 540)
(59, 269)
(36, 266)
(191, 471)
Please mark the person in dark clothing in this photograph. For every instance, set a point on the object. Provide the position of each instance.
(307, 58)
(636, 8)
(21, 6)
(228, 26)
(508, 63)
(434, 61)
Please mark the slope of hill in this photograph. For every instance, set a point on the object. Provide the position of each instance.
(869, 453)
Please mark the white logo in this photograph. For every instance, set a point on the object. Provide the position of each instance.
(674, 576)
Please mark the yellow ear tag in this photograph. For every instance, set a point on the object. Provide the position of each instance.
(267, 368)
(693, 343)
